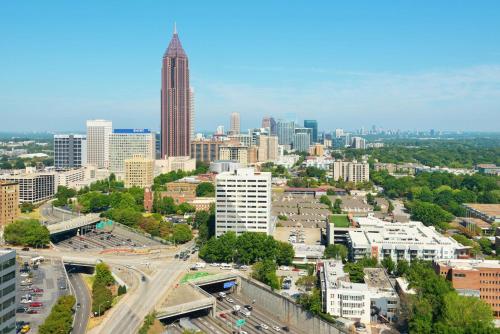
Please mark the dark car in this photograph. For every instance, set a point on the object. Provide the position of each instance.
(285, 328)
(21, 310)
(248, 307)
(25, 249)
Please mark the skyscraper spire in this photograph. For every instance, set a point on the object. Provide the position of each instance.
(175, 28)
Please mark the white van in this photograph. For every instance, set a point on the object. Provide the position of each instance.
(200, 265)
(37, 259)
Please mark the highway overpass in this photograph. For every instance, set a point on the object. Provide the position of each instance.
(73, 224)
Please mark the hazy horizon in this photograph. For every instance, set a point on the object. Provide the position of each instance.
(405, 66)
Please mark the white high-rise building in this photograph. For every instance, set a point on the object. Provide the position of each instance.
(339, 133)
(351, 171)
(127, 143)
(70, 151)
(8, 291)
(243, 202)
(98, 132)
(235, 123)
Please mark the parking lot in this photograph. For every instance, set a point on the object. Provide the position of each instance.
(97, 240)
(38, 289)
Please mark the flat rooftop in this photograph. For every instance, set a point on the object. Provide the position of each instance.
(471, 264)
(488, 209)
(376, 278)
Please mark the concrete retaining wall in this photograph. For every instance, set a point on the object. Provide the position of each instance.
(285, 309)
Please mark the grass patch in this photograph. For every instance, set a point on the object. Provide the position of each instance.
(339, 220)
(193, 276)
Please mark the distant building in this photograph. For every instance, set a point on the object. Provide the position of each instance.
(471, 277)
(267, 148)
(206, 150)
(191, 113)
(317, 150)
(127, 143)
(351, 171)
(234, 128)
(221, 166)
(70, 151)
(286, 132)
(313, 125)
(358, 143)
(339, 133)
(490, 169)
(302, 140)
(9, 202)
(34, 186)
(202, 203)
(139, 172)
(244, 139)
(236, 153)
(171, 164)
(269, 122)
(98, 132)
(8, 291)
(243, 202)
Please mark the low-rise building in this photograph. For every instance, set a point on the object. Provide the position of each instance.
(487, 212)
(182, 190)
(471, 277)
(408, 241)
(490, 169)
(235, 153)
(357, 301)
(202, 203)
(324, 163)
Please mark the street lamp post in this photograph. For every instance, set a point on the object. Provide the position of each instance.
(99, 308)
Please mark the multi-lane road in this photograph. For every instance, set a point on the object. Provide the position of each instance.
(83, 303)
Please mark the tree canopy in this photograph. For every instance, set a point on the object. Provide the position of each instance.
(27, 232)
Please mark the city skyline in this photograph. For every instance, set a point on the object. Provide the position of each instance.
(362, 70)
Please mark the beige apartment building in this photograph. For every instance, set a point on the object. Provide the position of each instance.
(351, 171)
(139, 172)
(9, 202)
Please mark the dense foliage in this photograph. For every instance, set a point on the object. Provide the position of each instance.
(265, 271)
(434, 198)
(205, 189)
(246, 248)
(60, 319)
(336, 251)
(438, 308)
(27, 232)
(102, 297)
(355, 269)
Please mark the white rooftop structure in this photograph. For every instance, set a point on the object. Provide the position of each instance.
(378, 238)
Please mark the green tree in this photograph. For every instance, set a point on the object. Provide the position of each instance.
(388, 264)
(284, 253)
(336, 251)
(60, 318)
(19, 164)
(355, 269)
(324, 199)
(336, 206)
(402, 267)
(27, 207)
(103, 275)
(265, 272)
(164, 206)
(182, 233)
(184, 208)
(390, 207)
(428, 213)
(102, 298)
(205, 189)
(27, 232)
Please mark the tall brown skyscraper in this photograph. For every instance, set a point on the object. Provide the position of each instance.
(175, 101)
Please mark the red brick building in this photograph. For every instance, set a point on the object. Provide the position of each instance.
(480, 278)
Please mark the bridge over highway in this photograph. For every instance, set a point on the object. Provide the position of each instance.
(74, 223)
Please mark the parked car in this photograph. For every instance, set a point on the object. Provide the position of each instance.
(248, 307)
(277, 329)
(21, 309)
(36, 304)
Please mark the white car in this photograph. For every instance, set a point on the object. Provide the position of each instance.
(215, 264)
(264, 326)
(26, 301)
(302, 273)
(276, 328)
(230, 300)
(284, 268)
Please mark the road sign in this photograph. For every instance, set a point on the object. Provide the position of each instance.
(240, 322)
(227, 285)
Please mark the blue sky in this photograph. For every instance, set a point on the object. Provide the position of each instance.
(396, 64)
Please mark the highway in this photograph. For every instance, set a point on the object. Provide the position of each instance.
(83, 298)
